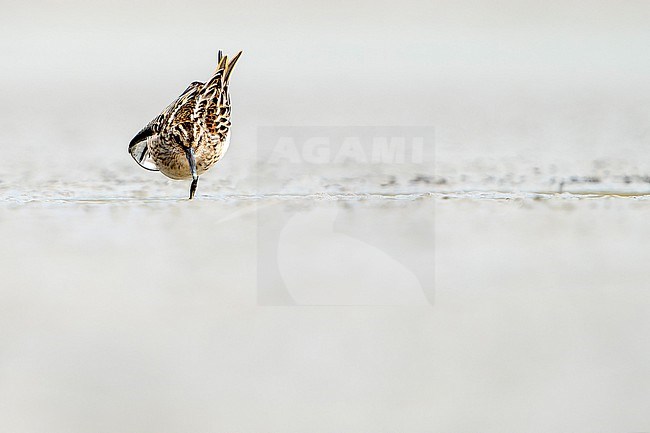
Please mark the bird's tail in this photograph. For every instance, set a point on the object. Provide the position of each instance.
(225, 66)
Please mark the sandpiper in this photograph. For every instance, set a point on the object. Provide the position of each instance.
(192, 133)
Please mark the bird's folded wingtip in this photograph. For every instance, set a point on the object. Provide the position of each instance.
(230, 66)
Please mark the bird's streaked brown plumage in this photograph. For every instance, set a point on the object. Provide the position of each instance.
(193, 132)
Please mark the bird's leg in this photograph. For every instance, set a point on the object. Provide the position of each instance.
(189, 154)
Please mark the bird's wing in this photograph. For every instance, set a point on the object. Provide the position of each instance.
(178, 111)
(211, 116)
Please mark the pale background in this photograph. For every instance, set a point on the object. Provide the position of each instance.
(124, 308)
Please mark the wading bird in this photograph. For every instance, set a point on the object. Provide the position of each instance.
(192, 133)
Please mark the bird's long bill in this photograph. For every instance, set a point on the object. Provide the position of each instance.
(189, 154)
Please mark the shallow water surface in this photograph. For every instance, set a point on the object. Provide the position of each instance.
(115, 304)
